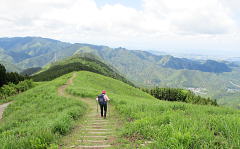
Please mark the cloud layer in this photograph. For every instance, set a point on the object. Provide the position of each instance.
(160, 24)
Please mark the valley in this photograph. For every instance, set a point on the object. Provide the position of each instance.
(55, 114)
(119, 74)
(207, 77)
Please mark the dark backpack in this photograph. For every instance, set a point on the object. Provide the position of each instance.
(101, 99)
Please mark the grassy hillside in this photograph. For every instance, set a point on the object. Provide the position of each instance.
(142, 68)
(38, 117)
(145, 69)
(76, 63)
(166, 124)
(30, 71)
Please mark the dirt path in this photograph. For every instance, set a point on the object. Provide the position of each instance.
(93, 131)
(2, 107)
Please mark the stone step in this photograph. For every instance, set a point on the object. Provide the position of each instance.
(98, 129)
(98, 121)
(94, 126)
(93, 146)
(98, 132)
(102, 123)
(93, 141)
(94, 136)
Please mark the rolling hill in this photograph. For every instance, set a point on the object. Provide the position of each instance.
(36, 52)
(164, 124)
(39, 117)
(78, 62)
(207, 77)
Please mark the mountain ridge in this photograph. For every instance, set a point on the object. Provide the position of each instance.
(78, 62)
(30, 52)
(146, 69)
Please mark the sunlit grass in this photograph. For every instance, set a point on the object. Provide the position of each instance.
(38, 117)
(166, 124)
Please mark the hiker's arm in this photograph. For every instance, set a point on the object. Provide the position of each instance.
(106, 98)
(97, 98)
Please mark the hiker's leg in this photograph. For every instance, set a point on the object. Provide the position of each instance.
(105, 110)
(101, 107)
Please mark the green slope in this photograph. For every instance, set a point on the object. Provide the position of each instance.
(165, 124)
(144, 69)
(141, 68)
(38, 117)
(78, 62)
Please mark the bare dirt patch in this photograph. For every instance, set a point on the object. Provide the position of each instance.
(2, 108)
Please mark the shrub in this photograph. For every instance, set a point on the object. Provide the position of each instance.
(9, 89)
(175, 94)
(12, 89)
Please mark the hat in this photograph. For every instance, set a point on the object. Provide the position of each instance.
(103, 92)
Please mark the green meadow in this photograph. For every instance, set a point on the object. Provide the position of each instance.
(39, 117)
(164, 124)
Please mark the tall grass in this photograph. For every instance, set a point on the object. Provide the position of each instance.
(38, 117)
(166, 124)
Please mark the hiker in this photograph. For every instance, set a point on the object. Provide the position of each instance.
(102, 100)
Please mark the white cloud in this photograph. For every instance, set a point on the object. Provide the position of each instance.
(159, 21)
(194, 16)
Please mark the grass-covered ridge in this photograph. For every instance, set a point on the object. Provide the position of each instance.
(166, 124)
(78, 62)
(140, 67)
(38, 117)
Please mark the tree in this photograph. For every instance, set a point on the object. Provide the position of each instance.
(2, 75)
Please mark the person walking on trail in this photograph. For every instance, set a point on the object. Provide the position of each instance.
(102, 100)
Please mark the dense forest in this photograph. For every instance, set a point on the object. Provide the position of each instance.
(12, 83)
(30, 71)
(175, 94)
(9, 77)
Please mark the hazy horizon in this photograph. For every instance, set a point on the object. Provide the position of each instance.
(214, 54)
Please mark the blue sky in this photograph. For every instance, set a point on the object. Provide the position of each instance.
(137, 4)
(192, 26)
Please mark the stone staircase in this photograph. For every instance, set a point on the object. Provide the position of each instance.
(96, 133)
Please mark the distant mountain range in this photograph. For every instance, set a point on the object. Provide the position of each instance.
(26, 52)
(141, 67)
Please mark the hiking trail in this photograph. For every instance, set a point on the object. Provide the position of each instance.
(93, 132)
(2, 108)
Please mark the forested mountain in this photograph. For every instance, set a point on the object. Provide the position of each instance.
(26, 52)
(9, 77)
(183, 63)
(77, 62)
(30, 71)
(219, 80)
